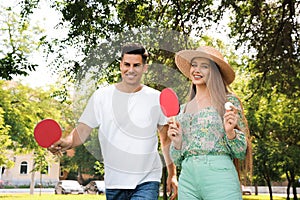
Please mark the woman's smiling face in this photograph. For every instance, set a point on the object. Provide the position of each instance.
(200, 70)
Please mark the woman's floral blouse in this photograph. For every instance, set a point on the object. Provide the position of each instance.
(203, 134)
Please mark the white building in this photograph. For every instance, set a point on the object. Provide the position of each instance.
(21, 173)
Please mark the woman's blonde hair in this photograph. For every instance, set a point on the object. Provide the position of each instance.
(218, 91)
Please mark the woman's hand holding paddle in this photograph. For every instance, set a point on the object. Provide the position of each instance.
(170, 107)
(175, 134)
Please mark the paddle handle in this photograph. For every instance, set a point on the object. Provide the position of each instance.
(173, 119)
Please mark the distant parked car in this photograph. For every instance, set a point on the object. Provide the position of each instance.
(246, 191)
(68, 187)
(95, 187)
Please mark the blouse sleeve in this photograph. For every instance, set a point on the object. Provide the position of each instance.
(176, 155)
(238, 145)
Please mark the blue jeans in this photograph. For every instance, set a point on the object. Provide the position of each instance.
(143, 191)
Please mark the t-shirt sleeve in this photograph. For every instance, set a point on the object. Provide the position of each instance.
(90, 115)
(163, 120)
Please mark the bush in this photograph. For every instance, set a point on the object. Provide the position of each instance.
(9, 186)
(23, 186)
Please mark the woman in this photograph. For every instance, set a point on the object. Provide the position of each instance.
(206, 138)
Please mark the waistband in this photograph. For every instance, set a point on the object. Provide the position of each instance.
(209, 157)
(202, 153)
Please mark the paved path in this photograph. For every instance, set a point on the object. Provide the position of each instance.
(27, 191)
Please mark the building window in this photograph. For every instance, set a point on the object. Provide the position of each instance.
(24, 166)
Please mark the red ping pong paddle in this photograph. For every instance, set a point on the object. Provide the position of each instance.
(169, 102)
(47, 132)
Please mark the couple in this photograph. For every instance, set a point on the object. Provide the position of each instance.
(204, 140)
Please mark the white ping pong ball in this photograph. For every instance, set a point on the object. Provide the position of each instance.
(228, 105)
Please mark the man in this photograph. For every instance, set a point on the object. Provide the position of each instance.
(128, 116)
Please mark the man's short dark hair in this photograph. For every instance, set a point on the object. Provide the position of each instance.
(134, 48)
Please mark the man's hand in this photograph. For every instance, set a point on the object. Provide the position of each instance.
(61, 145)
(75, 138)
(172, 183)
(172, 187)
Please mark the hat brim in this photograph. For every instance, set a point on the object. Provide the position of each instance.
(183, 61)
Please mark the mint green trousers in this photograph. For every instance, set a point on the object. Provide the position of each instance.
(209, 177)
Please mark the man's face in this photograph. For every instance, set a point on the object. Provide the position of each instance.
(132, 68)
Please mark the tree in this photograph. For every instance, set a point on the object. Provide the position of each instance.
(5, 142)
(19, 39)
(23, 107)
(273, 120)
(270, 31)
(267, 30)
(106, 25)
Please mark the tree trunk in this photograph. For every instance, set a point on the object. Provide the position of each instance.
(41, 182)
(295, 191)
(268, 181)
(289, 185)
(256, 189)
(270, 188)
(290, 175)
(32, 183)
(293, 184)
(288, 191)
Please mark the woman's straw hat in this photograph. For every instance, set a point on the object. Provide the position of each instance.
(183, 61)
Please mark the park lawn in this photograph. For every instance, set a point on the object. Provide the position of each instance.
(51, 196)
(99, 197)
(263, 197)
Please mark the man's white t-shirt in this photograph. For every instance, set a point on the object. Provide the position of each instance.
(127, 133)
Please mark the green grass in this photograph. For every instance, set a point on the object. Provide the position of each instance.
(99, 197)
(51, 196)
(263, 197)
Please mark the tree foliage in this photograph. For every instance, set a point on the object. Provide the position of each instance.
(271, 30)
(23, 107)
(18, 41)
(5, 141)
(268, 74)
